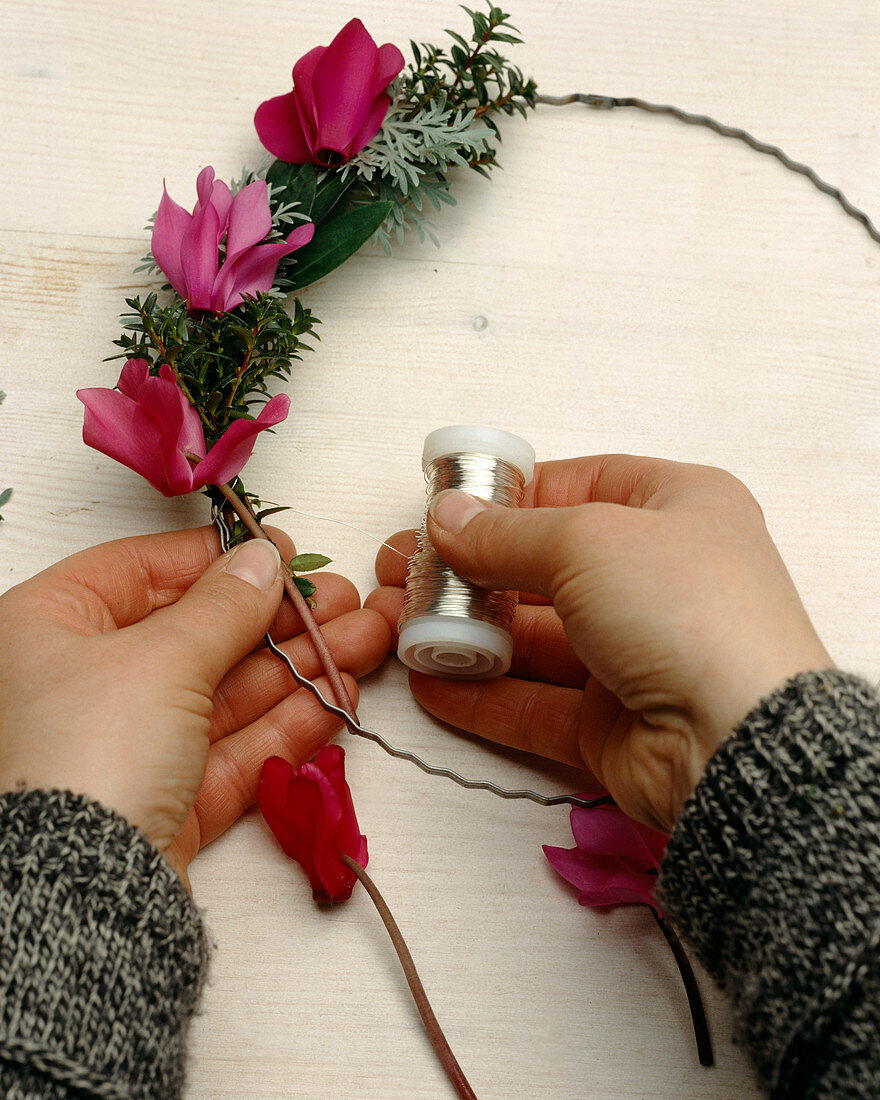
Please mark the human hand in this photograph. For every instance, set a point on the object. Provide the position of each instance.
(672, 616)
(128, 673)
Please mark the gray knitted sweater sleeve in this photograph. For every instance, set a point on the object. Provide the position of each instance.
(773, 874)
(102, 955)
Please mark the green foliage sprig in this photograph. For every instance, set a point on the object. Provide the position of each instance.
(223, 362)
(441, 118)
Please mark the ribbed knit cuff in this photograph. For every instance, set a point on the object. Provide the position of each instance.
(773, 874)
(102, 954)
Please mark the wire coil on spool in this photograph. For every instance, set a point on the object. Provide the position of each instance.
(450, 627)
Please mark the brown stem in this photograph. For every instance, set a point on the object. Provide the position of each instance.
(435, 1032)
(473, 56)
(695, 1001)
(240, 372)
(299, 602)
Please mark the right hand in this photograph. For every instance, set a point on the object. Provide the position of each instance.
(673, 616)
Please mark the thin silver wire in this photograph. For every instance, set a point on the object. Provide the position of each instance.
(403, 754)
(432, 588)
(607, 102)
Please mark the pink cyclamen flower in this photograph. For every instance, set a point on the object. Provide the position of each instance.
(147, 424)
(310, 811)
(338, 102)
(616, 860)
(187, 246)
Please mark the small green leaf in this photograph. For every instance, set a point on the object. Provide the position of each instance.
(334, 242)
(305, 563)
(306, 587)
(271, 511)
(4, 496)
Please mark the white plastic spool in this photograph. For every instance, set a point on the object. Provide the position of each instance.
(453, 646)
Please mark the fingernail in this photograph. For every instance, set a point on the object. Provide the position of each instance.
(256, 562)
(452, 509)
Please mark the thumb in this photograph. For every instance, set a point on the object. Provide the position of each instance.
(508, 548)
(221, 617)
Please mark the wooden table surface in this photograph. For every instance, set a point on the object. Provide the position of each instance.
(625, 283)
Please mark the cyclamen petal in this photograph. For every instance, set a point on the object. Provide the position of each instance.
(310, 811)
(338, 102)
(187, 246)
(281, 131)
(249, 219)
(254, 271)
(615, 861)
(230, 453)
(171, 223)
(148, 425)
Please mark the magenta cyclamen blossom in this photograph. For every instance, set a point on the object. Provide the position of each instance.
(338, 102)
(616, 860)
(147, 424)
(187, 246)
(311, 813)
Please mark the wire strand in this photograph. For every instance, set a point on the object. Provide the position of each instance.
(607, 102)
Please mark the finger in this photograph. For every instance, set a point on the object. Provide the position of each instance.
(610, 479)
(537, 718)
(219, 619)
(532, 549)
(541, 650)
(121, 582)
(387, 602)
(295, 729)
(358, 641)
(550, 721)
(393, 558)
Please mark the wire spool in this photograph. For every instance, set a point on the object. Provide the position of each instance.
(449, 627)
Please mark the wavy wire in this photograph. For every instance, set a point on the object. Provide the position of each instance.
(404, 754)
(607, 102)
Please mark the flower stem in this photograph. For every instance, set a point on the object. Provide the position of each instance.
(695, 1001)
(299, 602)
(435, 1032)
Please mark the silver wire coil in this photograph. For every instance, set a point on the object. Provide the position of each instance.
(432, 588)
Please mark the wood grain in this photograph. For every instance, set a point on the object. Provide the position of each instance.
(624, 284)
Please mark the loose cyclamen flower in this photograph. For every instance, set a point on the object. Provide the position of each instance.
(187, 246)
(147, 424)
(310, 811)
(616, 860)
(338, 101)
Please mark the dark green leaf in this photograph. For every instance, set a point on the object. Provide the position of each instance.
(306, 563)
(293, 183)
(281, 174)
(271, 511)
(458, 38)
(4, 496)
(306, 587)
(335, 241)
(328, 194)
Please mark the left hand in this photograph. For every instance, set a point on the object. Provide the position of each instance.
(128, 673)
